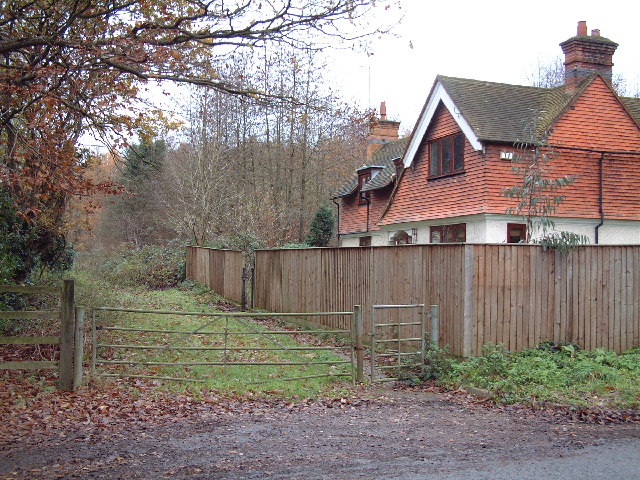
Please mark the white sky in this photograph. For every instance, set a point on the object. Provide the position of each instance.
(492, 40)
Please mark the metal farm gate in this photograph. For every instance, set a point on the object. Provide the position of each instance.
(201, 346)
(398, 339)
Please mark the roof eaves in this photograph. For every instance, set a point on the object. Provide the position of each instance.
(367, 167)
(347, 189)
(632, 106)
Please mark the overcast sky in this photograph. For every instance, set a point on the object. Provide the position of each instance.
(492, 40)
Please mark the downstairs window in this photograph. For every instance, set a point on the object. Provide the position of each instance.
(456, 233)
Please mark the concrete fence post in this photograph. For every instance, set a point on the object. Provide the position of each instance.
(434, 330)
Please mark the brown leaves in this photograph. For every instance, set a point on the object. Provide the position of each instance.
(32, 408)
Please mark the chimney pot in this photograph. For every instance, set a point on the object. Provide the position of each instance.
(381, 131)
(383, 111)
(582, 27)
(584, 57)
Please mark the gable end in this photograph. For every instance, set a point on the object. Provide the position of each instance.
(439, 94)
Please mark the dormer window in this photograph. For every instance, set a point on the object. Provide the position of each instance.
(399, 166)
(446, 155)
(363, 178)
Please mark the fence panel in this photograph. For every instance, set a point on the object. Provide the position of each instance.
(523, 295)
(219, 270)
(69, 340)
(518, 295)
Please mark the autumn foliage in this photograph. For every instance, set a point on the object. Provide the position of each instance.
(72, 67)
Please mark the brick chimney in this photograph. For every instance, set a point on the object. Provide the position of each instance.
(381, 131)
(585, 55)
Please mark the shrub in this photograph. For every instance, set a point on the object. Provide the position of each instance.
(322, 227)
(156, 267)
(243, 241)
(557, 372)
(437, 363)
(295, 245)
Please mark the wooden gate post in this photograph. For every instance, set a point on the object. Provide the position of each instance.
(67, 333)
(243, 292)
(78, 345)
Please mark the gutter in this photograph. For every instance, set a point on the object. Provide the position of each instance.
(333, 199)
(368, 204)
(600, 196)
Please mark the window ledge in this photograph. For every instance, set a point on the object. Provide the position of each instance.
(447, 175)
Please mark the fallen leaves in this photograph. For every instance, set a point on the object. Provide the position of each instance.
(552, 411)
(30, 410)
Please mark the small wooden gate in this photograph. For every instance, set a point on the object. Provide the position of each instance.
(70, 338)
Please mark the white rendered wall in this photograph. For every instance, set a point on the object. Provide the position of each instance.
(493, 229)
(378, 239)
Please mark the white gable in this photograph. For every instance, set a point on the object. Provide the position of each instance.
(439, 94)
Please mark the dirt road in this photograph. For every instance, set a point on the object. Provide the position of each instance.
(397, 435)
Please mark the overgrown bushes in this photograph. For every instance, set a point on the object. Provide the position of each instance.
(156, 267)
(28, 247)
(553, 372)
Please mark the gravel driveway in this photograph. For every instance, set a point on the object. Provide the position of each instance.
(395, 435)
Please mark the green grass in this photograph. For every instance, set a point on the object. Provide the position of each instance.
(258, 380)
(238, 379)
(562, 374)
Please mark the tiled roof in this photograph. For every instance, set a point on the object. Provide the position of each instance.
(384, 158)
(500, 112)
(633, 105)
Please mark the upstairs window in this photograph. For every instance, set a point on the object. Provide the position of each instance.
(363, 197)
(446, 155)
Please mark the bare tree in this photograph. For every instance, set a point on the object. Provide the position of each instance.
(196, 196)
(549, 74)
(281, 160)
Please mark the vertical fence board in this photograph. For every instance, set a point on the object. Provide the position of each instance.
(611, 299)
(478, 279)
(510, 320)
(593, 297)
(617, 299)
(585, 301)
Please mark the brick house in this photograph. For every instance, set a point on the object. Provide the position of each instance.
(447, 184)
(366, 195)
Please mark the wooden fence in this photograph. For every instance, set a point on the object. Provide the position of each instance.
(219, 270)
(517, 295)
(70, 339)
